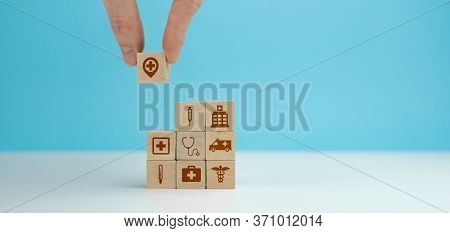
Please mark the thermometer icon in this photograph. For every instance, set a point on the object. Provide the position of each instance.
(160, 173)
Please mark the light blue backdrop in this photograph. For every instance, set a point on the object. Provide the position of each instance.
(391, 93)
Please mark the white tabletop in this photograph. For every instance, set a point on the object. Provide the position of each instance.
(266, 182)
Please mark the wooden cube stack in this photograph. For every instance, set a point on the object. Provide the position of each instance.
(199, 154)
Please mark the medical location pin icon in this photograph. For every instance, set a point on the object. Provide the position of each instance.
(150, 66)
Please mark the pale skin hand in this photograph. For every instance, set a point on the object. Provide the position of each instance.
(127, 27)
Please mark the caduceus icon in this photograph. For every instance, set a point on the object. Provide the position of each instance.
(220, 171)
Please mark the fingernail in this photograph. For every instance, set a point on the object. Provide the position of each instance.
(129, 55)
(171, 59)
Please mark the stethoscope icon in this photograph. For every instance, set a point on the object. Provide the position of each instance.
(195, 150)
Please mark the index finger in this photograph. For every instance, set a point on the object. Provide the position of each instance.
(180, 17)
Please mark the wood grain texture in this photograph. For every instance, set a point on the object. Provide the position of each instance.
(161, 145)
(191, 145)
(190, 116)
(220, 174)
(220, 116)
(153, 68)
(161, 174)
(191, 175)
(220, 146)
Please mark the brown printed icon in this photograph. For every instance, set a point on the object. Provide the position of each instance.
(189, 114)
(220, 171)
(150, 66)
(191, 174)
(188, 143)
(160, 173)
(161, 145)
(219, 118)
(220, 145)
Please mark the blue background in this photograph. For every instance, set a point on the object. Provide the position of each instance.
(391, 93)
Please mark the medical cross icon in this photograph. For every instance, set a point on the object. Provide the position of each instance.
(191, 175)
(150, 66)
(161, 145)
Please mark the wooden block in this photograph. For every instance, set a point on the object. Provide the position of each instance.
(161, 145)
(220, 174)
(153, 68)
(190, 116)
(220, 146)
(191, 174)
(219, 115)
(161, 174)
(191, 145)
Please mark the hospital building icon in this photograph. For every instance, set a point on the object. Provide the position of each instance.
(219, 118)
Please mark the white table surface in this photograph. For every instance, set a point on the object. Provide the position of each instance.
(266, 182)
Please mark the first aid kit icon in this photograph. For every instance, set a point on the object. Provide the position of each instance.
(191, 174)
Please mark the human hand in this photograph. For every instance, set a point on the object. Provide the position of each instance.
(127, 27)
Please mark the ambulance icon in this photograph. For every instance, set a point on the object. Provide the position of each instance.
(220, 145)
